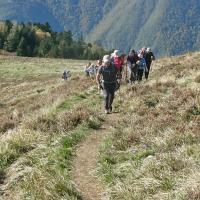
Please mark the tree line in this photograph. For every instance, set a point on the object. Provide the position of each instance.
(36, 39)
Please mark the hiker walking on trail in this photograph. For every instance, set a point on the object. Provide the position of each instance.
(108, 74)
(118, 60)
(98, 65)
(132, 65)
(149, 57)
(142, 67)
(89, 69)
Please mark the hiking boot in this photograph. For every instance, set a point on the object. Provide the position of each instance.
(106, 111)
(110, 109)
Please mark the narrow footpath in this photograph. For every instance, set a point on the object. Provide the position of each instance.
(85, 162)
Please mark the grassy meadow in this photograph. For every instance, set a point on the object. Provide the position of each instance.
(153, 152)
(42, 118)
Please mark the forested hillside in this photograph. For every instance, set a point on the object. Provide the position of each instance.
(36, 39)
(169, 27)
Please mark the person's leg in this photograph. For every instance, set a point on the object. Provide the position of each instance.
(111, 95)
(140, 74)
(147, 73)
(135, 72)
(130, 73)
(106, 97)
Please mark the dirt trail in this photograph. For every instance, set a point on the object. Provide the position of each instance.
(85, 162)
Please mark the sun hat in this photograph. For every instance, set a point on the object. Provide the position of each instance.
(148, 49)
(116, 53)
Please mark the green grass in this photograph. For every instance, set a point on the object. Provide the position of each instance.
(18, 67)
(54, 169)
(71, 102)
(153, 153)
(38, 153)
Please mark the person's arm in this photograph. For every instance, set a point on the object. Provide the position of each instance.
(152, 56)
(98, 76)
(98, 79)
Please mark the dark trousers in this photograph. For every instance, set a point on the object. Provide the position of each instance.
(147, 73)
(140, 74)
(133, 73)
(109, 94)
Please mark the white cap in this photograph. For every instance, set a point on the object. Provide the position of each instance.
(148, 49)
(116, 52)
(106, 59)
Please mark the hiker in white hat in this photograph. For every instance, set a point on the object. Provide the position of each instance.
(106, 80)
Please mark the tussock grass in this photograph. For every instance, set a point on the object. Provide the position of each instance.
(43, 119)
(49, 177)
(29, 84)
(47, 144)
(154, 152)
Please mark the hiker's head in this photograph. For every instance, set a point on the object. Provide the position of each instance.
(99, 62)
(116, 53)
(106, 60)
(132, 51)
(143, 50)
(148, 49)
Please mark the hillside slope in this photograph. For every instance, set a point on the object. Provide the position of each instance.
(151, 153)
(154, 151)
(28, 11)
(169, 27)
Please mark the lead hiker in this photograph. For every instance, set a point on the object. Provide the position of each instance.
(108, 73)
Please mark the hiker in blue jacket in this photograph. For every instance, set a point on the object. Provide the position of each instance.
(142, 67)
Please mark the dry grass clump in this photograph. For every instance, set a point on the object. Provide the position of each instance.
(42, 110)
(6, 124)
(154, 153)
(15, 144)
(50, 163)
(58, 123)
(29, 84)
(197, 79)
(14, 112)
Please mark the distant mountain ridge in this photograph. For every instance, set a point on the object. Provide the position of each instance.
(169, 27)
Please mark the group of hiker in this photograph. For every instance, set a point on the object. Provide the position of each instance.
(110, 69)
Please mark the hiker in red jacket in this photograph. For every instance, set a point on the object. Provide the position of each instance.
(118, 61)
